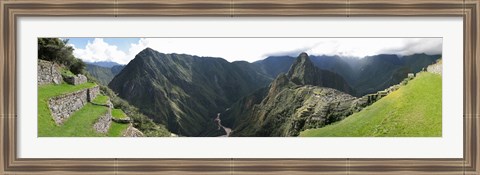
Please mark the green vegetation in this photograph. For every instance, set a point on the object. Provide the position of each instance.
(413, 110)
(57, 50)
(48, 91)
(146, 125)
(46, 124)
(66, 72)
(185, 92)
(117, 129)
(118, 113)
(80, 124)
(101, 100)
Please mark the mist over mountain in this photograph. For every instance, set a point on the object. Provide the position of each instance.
(186, 92)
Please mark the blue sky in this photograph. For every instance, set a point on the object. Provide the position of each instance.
(122, 43)
(122, 50)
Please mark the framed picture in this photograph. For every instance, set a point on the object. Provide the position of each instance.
(226, 87)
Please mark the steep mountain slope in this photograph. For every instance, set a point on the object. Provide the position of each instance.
(304, 97)
(104, 74)
(185, 92)
(412, 110)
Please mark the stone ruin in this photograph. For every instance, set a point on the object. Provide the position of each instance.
(47, 73)
(76, 80)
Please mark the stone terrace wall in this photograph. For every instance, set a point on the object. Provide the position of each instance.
(103, 123)
(435, 68)
(63, 106)
(47, 73)
(93, 92)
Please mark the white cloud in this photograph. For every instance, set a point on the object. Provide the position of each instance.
(252, 49)
(99, 50)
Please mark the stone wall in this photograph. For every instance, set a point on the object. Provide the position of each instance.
(47, 73)
(93, 92)
(63, 106)
(435, 68)
(369, 99)
(76, 80)
(132, 132)
(103, 123)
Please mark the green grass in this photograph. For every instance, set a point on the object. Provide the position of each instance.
(100, 99)
(66, 72)
(117, 129)
(414, 110)
(118, 113)
(80, 124)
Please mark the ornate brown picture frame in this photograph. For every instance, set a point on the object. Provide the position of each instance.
(11, 10)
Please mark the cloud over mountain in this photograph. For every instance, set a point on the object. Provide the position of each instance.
(253, 49)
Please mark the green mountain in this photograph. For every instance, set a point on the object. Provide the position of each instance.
(305, 97)
(185, 92)
(277, 96)
(104, 74)
(412, 110)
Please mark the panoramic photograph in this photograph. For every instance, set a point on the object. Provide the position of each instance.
(239, 87)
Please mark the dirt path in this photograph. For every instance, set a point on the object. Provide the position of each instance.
(219, 123)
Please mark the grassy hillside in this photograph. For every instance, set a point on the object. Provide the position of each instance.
(80, 121)
(414, 110)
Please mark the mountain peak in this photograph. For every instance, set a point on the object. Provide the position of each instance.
(303, 55)
(303, 71)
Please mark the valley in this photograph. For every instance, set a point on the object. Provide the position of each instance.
(277, 96)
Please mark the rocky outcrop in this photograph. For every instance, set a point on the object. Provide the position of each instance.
(132, 132)
(103, 123)
(61, 107)
(48, 73)
(76, 80)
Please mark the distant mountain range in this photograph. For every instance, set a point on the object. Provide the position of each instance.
(104, 74)
(186, 92)
(358, 72)
(107, 64)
